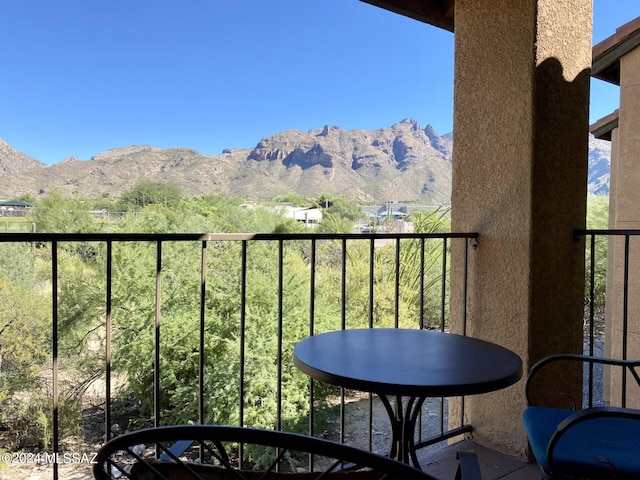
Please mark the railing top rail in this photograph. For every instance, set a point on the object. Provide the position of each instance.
(621, 232)
(203, 237)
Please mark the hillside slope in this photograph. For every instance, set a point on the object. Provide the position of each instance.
(13, 162)
(403, 162)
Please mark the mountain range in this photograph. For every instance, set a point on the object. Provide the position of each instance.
(404, 162)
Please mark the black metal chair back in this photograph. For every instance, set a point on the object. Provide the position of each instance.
(207, 452)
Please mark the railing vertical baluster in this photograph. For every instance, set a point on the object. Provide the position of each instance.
(203, 296)
(156, 371)
(372, 245)
(370, 439)
(592, 276)
(421, 316)
(592, 294)
(280, 315)
(279, 353)
(465, 286)
(243, 325)
(397, 286)
(312, 288)
(443, 291)
(422, 242)
(343, 286)
(312, 317)
(108, 327)
(441, 418)
(371, 279)
(625, 317)
(54, 348)
(343, 325)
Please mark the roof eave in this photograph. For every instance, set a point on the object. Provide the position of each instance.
(603, 127)
(434, 12)
(607, 54)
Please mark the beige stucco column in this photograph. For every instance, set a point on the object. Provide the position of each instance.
(625, 214)
(519, 179)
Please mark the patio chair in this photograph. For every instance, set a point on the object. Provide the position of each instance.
(212, 454)
(599, 442)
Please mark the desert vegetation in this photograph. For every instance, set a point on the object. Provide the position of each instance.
(26, 310)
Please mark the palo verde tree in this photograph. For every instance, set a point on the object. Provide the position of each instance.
(25, 326)
(134, 288)
(133, 294)
(340, 206)
(147, 192)
(57, 213)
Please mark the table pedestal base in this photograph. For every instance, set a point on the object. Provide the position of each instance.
(403, 425)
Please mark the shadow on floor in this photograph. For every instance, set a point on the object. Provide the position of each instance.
(441, 462)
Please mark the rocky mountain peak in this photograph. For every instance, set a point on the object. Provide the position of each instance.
(402, 162)
(124, 151)
(407, 124)
(13, 162)
(442, 144)
(327, 130)
(70, 159)
(599, 165)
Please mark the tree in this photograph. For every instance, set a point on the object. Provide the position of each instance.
(56, 213)
(134, 333)
(147, 192)
(28, 198)
(25, 327)
(597, 219)
(81, 308)
(340, 206)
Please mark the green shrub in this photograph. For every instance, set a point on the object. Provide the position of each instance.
(597, 219)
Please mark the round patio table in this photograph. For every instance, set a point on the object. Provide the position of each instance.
(407, 363)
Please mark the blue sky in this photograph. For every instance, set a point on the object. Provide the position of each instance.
(80, 77)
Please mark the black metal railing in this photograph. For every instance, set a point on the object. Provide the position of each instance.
(430, 251)
(601, 296)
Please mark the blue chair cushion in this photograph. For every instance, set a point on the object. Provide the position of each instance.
(540, 423)
(597, 448)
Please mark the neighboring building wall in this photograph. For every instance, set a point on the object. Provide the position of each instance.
(309, 216)
(617, 59)
(519, 180)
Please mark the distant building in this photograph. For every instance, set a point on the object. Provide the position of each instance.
(390, 217)
(14, 208)
(309, 216)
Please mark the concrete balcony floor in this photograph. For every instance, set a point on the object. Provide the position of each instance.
(440, 461)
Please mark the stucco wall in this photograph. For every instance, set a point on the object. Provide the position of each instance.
(625, 198)
(519, 179)
(628, 197)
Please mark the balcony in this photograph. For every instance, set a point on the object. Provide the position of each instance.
(200, 309)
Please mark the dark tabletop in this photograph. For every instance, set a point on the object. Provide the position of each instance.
(407, 362)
